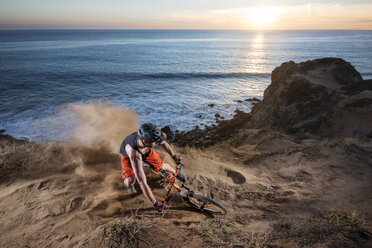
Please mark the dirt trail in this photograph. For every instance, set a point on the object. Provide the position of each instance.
(270, 199)
(296, 172)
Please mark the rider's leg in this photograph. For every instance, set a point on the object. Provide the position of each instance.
(180, 176)
(128, 174)
(154, 159)
(167, 167)
(129, 181)
(129, 184)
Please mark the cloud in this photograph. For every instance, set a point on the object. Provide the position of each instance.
(307, 15)
(308, 9)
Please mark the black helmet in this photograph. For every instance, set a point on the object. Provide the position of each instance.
(150, 133)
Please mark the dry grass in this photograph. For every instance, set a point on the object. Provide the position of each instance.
(341, 218)
(254, 240)
(195, 154)
(28, 159)
(221, 233)
(128, 231)
(322, 230)
(302, 231)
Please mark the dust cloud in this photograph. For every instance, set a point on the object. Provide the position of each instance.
(94, 150)
(102, 124)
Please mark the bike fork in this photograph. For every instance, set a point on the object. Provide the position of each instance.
(167, 197)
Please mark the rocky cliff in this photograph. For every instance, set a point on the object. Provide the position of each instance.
(323, 96)
(281, 190)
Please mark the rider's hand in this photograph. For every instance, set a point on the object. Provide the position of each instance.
(158, 206)
(177, 159)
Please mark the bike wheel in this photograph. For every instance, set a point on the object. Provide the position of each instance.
(205, 204)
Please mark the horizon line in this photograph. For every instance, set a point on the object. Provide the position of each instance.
(241, 29)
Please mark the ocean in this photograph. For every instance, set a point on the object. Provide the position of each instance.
(168, 77)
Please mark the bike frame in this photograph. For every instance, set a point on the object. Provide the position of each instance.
(201, 201)
(171, 179)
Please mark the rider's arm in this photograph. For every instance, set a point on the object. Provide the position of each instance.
(136, 162)
(167, 148)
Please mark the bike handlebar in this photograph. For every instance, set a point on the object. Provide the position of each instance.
(179, 166)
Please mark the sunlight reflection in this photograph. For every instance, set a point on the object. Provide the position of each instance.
(255, 59)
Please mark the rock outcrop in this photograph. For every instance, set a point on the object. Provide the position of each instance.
(213, 134)
(323, 96)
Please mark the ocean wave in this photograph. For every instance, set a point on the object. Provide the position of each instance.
(366, 74)
(200, 75)
(134, 76)
(129, 76)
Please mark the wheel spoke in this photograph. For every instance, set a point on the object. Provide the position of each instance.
(206, 204)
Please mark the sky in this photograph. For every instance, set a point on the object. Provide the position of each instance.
(185, 14)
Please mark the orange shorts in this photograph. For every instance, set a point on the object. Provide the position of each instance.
(153, 159)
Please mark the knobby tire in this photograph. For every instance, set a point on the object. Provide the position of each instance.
(206, 204)
(201, 203)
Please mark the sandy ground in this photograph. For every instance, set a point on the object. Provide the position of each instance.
(280, 191)
(307, 189)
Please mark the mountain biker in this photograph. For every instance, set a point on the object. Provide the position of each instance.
(139, 147)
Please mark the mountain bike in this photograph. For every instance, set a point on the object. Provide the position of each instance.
(199, 202)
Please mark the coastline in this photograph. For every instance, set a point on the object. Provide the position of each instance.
(296, 171)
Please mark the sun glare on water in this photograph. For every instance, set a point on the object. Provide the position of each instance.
(262, 17)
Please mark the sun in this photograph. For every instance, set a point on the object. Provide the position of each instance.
(262, 17)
